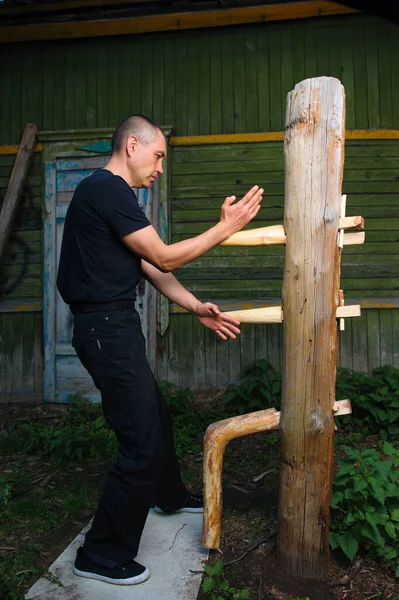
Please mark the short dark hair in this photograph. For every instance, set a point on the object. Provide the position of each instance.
(139, 125)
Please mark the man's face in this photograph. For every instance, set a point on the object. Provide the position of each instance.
(146, 161)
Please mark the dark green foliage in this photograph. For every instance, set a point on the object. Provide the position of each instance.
(217, 587)
(365, 504)
(260, 389)
(375, 399)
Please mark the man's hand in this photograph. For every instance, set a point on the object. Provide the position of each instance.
(237, 215)
(210, 316)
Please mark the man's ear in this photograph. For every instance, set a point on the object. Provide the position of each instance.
(132, 144)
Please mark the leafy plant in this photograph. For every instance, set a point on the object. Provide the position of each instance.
(375, 399)
(365, 504)
(218, 587)
(260, 389)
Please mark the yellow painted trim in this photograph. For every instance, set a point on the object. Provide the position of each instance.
(276, 136)
(372, 134)
(171, 22)
(246, 138)
(14, 149)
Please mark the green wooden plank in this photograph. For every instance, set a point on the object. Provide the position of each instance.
(28, 342)
(277, 111)
(5, 98)
(298, 58)
(22, 258)
(134, 90)
(373, 340)
(274, 346)
(180, 117)
(323, 52)
(114, 76)
(395, 338)
(239, 91)
(386, 336)
(264, 84)
(173, 357)
(147, 77)
(17, 353)
(17, 117)
(311, 52)
(49, 75)
(215, 80)
(394, 53)
(193, 108)
(359, 343)
(334, 54)
(234, 360)
(103, 84)
(345, 345)
(80, 86)
(69, 75)
(373, 83)
(124, 81)
(159, 84)
(347, 75)
(261, 341)
(59, 83)
(235, 166)
(28, 85)
(91, 84)
(360, 77)
(385, 73)
(210, 358)
(227, 49)
(38, 351)
(251, 82)
(6, 355)
(247, 346)
(186, 351)
(198, 367)
(204, 97)
(222, 359)
(287, 71)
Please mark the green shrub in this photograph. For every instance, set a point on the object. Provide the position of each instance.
(365, 504)
(218, 587)
(260, 389)
(375, 399)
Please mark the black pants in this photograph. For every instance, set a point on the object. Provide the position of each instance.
(111, 347)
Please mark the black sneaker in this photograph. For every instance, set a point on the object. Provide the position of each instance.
(128, 574)
(193, 504)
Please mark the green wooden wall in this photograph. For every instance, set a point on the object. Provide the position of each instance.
(223, 80)
(190, 356)
(203, 175)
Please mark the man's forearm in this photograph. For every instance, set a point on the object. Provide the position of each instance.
(169, 286)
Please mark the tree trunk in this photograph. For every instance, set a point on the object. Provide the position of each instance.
(314, 155)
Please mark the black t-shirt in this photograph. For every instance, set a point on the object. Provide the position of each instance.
(95, 265)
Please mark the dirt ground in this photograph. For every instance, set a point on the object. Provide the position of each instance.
(250, 503)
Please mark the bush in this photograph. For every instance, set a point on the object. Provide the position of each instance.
(375, 399)
(260, 389)
(365, 504)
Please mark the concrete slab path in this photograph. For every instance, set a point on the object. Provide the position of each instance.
(170, 547)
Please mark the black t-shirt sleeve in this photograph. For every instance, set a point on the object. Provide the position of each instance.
(120, 209)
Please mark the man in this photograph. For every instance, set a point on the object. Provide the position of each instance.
(108, 244)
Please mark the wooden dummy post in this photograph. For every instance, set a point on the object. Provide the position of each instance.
(313, 232)
(314, 157)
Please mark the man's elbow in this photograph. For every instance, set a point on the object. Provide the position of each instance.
(165, 265)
